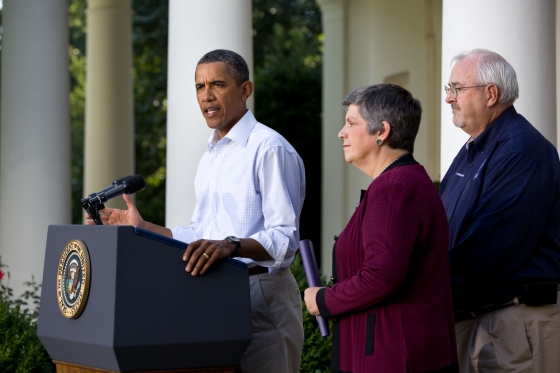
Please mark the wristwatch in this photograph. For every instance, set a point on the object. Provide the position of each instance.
(237, 242)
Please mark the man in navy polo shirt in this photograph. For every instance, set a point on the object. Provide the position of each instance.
(502, 198)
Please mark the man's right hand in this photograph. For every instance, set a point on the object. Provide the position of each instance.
(201, 254)
(111, 216)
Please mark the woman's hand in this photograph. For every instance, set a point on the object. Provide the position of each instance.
(310, 297)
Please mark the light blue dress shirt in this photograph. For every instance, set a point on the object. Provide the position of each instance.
(250, 184)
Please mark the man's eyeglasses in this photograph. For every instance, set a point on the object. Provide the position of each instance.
(455, 90)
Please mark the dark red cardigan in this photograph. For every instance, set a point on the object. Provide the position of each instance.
(392, 298)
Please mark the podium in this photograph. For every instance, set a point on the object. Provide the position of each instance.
(142, 311)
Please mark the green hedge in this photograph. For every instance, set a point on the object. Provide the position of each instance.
(20, 348)
(316, 355)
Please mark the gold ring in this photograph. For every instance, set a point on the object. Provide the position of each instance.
(206, 255)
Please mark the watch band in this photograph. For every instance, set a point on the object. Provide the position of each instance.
(237, 242)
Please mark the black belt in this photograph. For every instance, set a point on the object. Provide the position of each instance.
(257, 270)
(475, 314)
(534, 294)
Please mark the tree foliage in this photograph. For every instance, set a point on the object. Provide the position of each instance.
(288, 79)
(77, 67)
(150, 35)
(150, 27)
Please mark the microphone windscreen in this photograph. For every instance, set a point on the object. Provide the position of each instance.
(134, 184)
(122, 179)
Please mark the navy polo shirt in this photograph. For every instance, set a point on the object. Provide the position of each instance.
(502, 199)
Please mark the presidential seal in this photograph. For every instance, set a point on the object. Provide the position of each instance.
(72, 282)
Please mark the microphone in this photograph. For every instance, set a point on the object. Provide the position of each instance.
(115, 183)
(125, 185)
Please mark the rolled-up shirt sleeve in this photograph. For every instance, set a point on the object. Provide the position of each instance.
(281, 182)
(184, 234)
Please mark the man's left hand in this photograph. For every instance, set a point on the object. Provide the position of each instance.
(201, 254)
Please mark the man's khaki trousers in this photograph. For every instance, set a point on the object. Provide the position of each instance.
(520, 339)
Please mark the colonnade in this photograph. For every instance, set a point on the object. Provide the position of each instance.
(35, 132)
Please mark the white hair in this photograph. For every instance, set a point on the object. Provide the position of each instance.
(494, 69)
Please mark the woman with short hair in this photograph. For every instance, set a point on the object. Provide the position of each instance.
(391, 294)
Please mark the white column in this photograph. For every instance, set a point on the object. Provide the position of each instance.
(109, 115)
(334, 91)
(195, 28)
(34, 134)
(523, 32)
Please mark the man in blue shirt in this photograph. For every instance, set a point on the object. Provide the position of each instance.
(502, 199)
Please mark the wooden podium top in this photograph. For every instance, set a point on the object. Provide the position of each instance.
(63, 367)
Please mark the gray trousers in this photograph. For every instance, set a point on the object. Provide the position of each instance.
(519, 339)
(276, 323)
